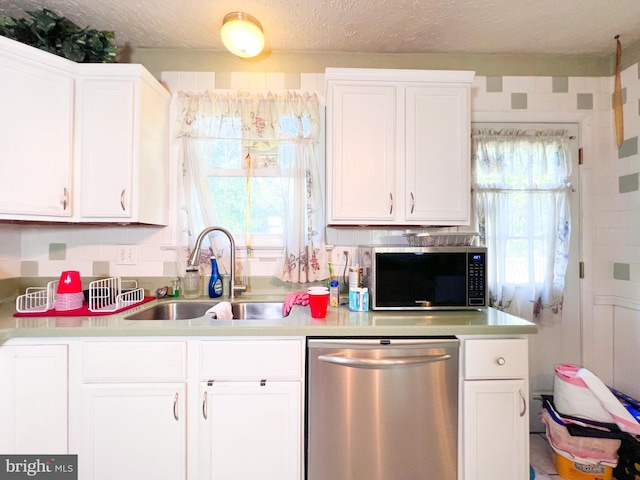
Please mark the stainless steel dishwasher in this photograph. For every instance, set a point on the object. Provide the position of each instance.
(382, 409)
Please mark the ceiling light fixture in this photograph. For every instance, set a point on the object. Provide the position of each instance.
(242, 34)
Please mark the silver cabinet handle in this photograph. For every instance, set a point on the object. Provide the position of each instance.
(122, 200)
(524, 403)
(390, 203)
(204, 406)
(175, 407)
(500, 361)
(412, 202)
(382, 362)
(65, 198)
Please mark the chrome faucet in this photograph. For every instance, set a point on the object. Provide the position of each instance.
(195, 255)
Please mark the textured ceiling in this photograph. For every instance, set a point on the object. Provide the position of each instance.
(369, 26)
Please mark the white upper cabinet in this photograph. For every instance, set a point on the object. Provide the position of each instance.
(398, 147)
(123, 135)
(36, 133)
(81, 142)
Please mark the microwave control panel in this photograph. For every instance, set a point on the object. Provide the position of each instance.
(477, 279)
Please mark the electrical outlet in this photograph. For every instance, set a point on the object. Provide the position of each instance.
(126, 255)
(338, 256)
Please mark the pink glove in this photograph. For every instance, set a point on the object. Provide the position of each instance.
(296, 298)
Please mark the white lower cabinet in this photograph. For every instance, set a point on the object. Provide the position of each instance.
(250, 409)
(495, 417)
(131, 418)
(228, 409)
(33, 403)
(223, 409)
(250, 430)
(133, 431)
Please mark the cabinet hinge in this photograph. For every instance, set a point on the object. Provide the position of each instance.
(581, 270)
(263, 383)
(210, 382)
(580, 156)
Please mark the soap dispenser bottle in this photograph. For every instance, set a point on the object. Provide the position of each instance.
(215, 284)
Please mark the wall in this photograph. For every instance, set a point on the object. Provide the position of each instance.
(616, 208)
(610, 318)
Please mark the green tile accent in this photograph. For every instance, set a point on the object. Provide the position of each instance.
(494, 84)
(621, 271)
(628, 148)
(28, 268)
(100, 269)
(518, 101)
(223, 80)
(585, 101)
(628, 183)
(560, 84)
(624, 97)
(57, 251)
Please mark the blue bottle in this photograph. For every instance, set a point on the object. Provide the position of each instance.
(215, 284)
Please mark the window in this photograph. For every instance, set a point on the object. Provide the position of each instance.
(250, 165)
(522, 200)
(233, 183)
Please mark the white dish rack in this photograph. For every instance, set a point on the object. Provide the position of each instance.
(106, 295)
(38, 299)
(111, 294)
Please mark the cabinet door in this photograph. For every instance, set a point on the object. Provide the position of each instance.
(495, 430)
(133, 431)
(437, 155)
(33, 399)
(361, 153)
(35, 139)
(250, 430)
(106, 125)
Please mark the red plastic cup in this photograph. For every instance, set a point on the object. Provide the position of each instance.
(318, 302)
(70, 282)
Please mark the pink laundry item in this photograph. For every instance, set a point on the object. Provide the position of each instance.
(583, 449)
(580, 393)
(295, 298)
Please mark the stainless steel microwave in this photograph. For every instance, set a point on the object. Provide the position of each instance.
(425, 278)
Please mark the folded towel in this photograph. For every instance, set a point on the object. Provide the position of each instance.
(221, 311)
(296, 298)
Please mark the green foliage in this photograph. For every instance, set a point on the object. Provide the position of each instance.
(52, 33)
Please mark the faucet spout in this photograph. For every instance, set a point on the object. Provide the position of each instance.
(193, 259)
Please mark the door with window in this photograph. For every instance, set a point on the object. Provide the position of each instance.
(559, 340)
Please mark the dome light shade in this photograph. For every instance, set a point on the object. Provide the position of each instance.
(242, 34)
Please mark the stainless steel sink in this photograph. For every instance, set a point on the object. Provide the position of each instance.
(190, 310)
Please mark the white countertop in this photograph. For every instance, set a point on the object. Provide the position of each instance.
(338, 322)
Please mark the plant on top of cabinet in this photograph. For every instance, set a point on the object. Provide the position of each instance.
(48, 31)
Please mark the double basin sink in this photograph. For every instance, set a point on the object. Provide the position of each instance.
(186, 310)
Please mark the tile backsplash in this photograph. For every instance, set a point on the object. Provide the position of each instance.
(46, 250)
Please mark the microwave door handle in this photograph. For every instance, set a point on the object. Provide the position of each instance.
(379, 363)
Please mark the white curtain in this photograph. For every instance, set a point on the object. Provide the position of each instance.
(292, 120)
(522, 201)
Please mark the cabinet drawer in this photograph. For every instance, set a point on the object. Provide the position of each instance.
(496, 358)
(251, 359)
(134, 361)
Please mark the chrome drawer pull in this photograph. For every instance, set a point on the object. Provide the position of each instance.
(524, 403)
(204, 406)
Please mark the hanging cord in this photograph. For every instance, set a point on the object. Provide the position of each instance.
(344, 272)
(247, 241)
